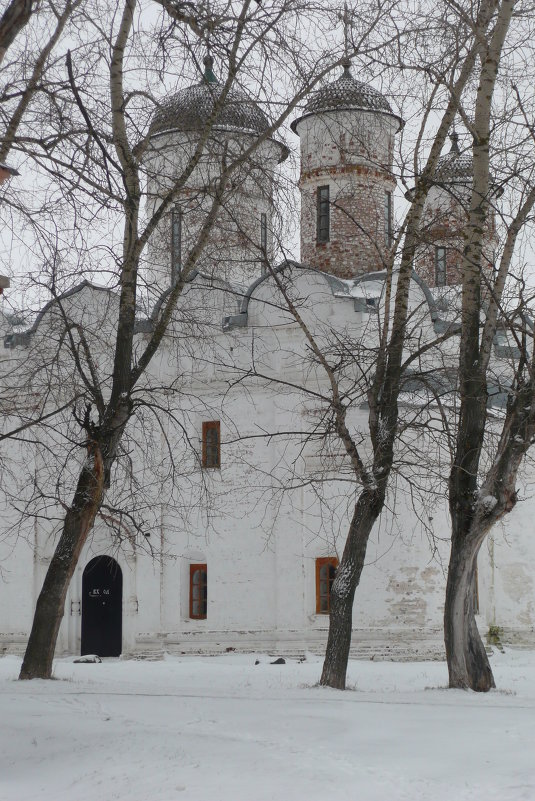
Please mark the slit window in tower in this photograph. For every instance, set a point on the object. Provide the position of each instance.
(475, 592)
(176, 243)
(323, 225)
(388, 218)
(211, 444)
(263, 241)
(440, 265)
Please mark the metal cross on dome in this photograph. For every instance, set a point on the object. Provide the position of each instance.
(345, 19)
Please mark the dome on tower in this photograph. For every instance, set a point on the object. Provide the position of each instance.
(191, 108)
(454, 167)
(347, 94)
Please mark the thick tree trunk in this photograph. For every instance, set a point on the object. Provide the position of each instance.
(367, 510)
(13, 20)
(37, 663)
(468, 664)
(339, 640)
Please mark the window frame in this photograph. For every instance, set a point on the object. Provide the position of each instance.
(321, 562)
(263, 241)
(475, 592)
(176, 243)
(263, 234)
(441, 265)
(207, 462)
(388, 218)
(193, 568)
(323, 214)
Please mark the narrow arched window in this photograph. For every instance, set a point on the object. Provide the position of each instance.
(263, 234)
(440, 265)
(263, 241)
(325, 575)
(475, 592)
(198, 591)
(388, 218)
(323, 211)
(211, 444)
(176, 244)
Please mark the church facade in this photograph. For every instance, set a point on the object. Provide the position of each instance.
(224, 524)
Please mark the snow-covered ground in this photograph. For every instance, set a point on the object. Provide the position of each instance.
(225, 729)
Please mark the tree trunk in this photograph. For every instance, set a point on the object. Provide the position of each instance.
(339, 640)
(367, 510)
(37, 663)
(13, 20)
(468, 664)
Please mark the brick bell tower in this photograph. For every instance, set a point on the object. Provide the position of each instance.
(439, 256)
(347, 135)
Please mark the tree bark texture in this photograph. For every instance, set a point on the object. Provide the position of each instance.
(37, 663)
(13, 20)
(367, 510)
(468, 663)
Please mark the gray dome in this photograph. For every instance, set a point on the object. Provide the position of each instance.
(454, 167)
(191, 108)
(346, 94)
(458, 168)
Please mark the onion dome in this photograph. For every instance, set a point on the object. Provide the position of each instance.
(191, 108)
(347, 94)
(454, 167)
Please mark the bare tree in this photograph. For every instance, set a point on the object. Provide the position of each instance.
(371, 469)
(482, 483)
(13, 20)
(24, 78)
(478, 495)
(94, 140)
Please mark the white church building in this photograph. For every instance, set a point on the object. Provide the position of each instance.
(229, 507)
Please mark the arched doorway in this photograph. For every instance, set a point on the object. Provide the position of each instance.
(102, 607)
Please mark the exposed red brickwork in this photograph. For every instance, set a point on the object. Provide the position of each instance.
(351, 153)
(442, 226)
(358, 237)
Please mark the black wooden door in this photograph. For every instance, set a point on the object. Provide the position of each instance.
(102, 607)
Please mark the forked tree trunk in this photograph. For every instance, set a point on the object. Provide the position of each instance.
(37, 663)
(468, 663)
(367, 510)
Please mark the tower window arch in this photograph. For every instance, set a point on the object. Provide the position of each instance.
(263, 242)
(388, 218)
(176, 243)
(323, 232)
(263, 234)
(440, 265)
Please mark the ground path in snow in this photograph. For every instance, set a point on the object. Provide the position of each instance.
(223, 728)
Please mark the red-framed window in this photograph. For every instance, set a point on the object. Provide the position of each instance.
(198, 591)
(211, 444)
(325, 574)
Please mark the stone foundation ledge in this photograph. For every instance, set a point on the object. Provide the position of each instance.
(394, 645)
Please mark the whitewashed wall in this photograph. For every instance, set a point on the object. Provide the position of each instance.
(259, 538)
